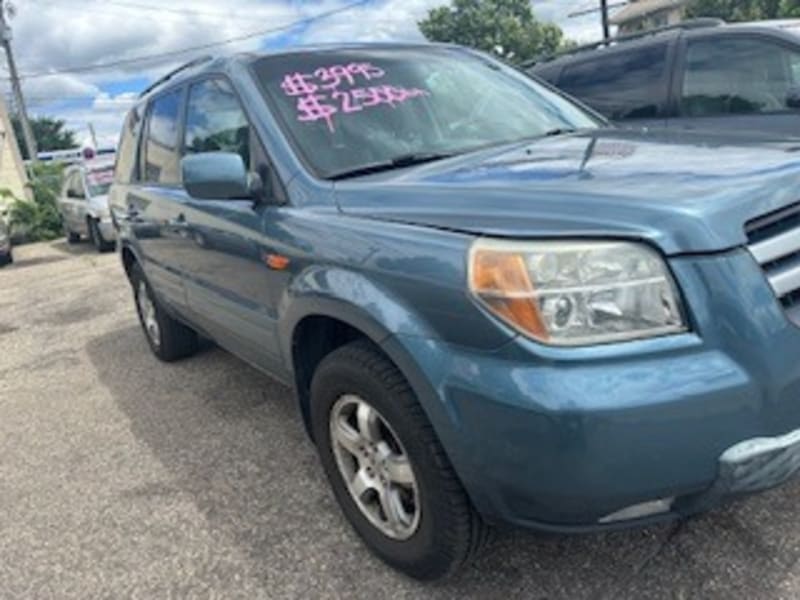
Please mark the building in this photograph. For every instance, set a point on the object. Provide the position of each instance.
(13, 176)
(640, 15)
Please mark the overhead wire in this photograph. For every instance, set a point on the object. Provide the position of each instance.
(148, 58)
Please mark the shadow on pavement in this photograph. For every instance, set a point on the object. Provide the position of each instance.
(83, 247)
(232, 440)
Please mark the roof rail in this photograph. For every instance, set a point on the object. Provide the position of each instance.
(192, 63)
(700, 23)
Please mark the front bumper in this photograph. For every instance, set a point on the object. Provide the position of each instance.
(751, 466)
(107, 229)
(565, 438)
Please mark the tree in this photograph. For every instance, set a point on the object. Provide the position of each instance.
(50, 134)
(744, 10)
(39, 220)
(507, 28)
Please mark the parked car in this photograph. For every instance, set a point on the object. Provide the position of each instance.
(6, 252)
(493, 307)
(83, 203)
(698, 75)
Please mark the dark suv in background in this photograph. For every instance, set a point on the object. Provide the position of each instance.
(702, 74)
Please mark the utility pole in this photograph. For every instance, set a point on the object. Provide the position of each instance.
(604, 12)
(27, 132)
(93, 135)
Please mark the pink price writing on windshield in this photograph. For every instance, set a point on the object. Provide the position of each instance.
(320, 95)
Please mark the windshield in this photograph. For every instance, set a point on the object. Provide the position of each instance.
(345, 110)
(99, 180)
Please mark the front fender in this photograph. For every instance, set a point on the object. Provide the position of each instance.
(349, 297)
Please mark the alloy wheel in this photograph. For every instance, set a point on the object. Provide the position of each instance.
(375, 467)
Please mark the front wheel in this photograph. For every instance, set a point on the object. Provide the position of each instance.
(100, 243)
(387, 468)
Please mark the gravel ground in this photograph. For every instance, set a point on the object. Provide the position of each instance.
(123, 477)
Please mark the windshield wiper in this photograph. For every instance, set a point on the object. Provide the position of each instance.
(558, 131)
(398, 162)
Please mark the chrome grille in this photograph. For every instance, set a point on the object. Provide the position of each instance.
(774, 241)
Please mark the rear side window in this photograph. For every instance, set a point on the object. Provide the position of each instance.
(73, 187)
(128, 146)
(161, 144)
(215, 121)
(738, 76)
(622, 85)
(67, 183)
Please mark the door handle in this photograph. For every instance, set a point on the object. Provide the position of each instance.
(179, 221)
(131, 215)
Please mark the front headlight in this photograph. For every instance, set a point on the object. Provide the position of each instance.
(576, 293)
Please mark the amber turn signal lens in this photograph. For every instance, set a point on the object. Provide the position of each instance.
(501, 281)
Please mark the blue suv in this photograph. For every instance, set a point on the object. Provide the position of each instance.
(493, 307)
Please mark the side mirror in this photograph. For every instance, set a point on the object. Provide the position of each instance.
(793, 97)
(215, 176)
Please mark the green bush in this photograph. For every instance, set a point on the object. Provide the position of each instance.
(39, 220)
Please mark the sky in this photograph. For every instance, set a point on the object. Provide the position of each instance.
(52, 39)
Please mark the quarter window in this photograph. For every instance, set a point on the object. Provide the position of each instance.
(215, 121)
(75, 186)
(127, 154)
(738, 76)
(161, 145)
(622, 85)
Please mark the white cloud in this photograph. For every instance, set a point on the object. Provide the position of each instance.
(53, 35)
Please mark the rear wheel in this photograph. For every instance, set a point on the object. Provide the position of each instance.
(72, 237)
(169, 339)
(6, 259)
(387, 468)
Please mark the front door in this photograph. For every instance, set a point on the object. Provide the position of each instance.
(738, 83)
(229, 287)
(73, 203)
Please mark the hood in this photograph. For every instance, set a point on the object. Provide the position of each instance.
(684, 192)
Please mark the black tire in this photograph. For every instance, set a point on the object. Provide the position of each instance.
(6, 259)
(450, 532)
(72, 237)
(175, 340)
(96, 236)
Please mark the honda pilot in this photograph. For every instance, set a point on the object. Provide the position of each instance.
(493, 307)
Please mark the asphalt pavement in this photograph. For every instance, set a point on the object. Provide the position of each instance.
(121, 477)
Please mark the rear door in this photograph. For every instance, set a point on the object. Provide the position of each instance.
(628, 84)
(737, 82)
(152, 202)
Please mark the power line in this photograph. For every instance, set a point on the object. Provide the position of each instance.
(179, 11)
(157, 12)
(154, 57)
